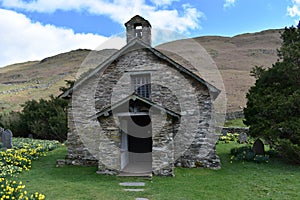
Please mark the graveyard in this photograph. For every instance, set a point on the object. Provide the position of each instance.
(85, 153)
(237, 179)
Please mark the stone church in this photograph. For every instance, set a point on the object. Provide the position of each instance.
(140, 112)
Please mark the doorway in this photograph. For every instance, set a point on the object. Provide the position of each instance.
(136, 144)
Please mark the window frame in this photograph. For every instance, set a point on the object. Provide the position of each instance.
(141, 84)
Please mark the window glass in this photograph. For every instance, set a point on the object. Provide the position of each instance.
(141, 85)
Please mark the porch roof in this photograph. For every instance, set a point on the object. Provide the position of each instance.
(108, 110)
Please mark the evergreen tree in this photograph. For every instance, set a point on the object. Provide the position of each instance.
(46, 119)
(273, 106)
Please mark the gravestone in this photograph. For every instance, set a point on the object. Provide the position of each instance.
(258, 147)
(7, 139)
(242, 138)
(1, 131)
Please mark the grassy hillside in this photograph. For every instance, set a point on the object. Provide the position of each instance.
(234, 56)
(40, 79)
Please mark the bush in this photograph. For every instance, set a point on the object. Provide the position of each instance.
(13, 122)
(245, 153)
(288, 151)
(44, 119)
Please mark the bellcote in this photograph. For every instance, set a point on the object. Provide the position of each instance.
(138, 27)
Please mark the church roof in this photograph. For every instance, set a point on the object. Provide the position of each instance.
(138, 44)
(138, 20)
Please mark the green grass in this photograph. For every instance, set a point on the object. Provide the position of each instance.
(235, 123)
(236, 180)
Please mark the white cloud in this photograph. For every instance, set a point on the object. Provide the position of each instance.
(180, 19)
(174, 22)
(163, 2)
(229, 3)
(22, 40)
(294, 10)
(25, 40)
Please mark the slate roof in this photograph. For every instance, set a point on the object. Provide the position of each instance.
(138, 19)
(138, 44)
(135, 97)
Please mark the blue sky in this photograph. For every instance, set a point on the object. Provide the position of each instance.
(34, 29)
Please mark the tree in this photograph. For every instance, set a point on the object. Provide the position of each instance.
(12, 121)
(69, 84)
(46, 119)
(257, 71)
(273, 103)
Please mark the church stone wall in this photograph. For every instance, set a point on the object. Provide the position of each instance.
(169, 91)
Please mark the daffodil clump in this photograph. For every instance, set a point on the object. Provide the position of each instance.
(230, 137)
(14, 161)
(15, 190)
(19, 158)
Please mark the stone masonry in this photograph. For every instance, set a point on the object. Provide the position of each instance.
(187, 142)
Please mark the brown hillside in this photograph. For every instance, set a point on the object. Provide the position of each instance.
(39, 79)
(234, 57)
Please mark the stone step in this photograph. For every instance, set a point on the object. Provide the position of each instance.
(130, 184)
(134, 190)
(146, 174)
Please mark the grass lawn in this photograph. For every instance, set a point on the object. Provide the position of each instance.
(235, 123)
(236, 180)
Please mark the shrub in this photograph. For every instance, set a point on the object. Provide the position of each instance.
(288, 151)
(44, 119)
(12, 121)
(245, 153)
(261, 158)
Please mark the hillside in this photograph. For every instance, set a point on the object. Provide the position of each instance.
(234, 57)
(39, 79)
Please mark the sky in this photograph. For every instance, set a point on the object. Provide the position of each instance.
(35, 29)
